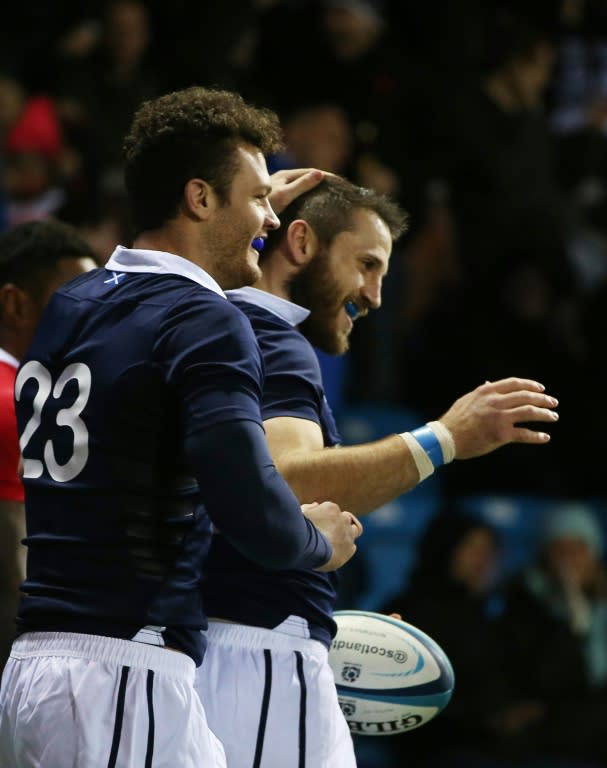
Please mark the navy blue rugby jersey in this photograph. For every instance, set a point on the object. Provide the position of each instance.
(235, 588)
(127, 362)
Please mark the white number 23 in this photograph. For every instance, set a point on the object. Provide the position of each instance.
(66, 417)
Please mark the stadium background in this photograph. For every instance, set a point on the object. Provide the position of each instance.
(487, 120)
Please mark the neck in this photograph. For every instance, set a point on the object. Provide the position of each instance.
(278, 285)
(277, 271)
(179, 241)
(167, 239)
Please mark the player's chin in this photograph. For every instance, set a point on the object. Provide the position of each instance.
(251, 271)
(343, 343)
(338, 343)
(247, 274)
(342, 337)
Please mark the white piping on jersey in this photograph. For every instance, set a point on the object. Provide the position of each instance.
(286, 310)
(160, 263)
(6, 357)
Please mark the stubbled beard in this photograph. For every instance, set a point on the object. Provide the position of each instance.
(237, 276)
(232, 271)
(316, 290)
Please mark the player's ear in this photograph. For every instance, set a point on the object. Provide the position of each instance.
(16, 306)
(302, 242)
(199, 199)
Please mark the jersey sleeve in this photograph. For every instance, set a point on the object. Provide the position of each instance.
(292, 380)
(249, 501)
(289, 395)
(211, 358)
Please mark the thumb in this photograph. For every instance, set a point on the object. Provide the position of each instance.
(356, 524)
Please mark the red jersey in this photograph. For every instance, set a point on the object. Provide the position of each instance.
(11, 488)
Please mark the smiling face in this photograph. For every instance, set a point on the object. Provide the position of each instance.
(350, 271)
(246, 216)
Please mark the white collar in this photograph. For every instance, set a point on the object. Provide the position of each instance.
(160, 263)
(6, 357)
(286, 310)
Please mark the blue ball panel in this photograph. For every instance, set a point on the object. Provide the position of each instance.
(438, 700)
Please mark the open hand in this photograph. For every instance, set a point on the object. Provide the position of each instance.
(488, 417)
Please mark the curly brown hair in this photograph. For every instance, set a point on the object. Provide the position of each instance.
(192, 133)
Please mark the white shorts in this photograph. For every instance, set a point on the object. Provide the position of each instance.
(271, 699)
(86, 701)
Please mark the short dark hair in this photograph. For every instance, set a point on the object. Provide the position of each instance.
(187, 134)
(29, 253)
(328, 209)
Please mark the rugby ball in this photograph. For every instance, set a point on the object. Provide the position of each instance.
(390, 676)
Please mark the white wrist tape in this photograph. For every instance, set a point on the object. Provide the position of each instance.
(445, 438)
(422, 461)
(430, 447)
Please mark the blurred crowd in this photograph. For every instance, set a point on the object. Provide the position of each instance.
(487, 120)
(529, 650)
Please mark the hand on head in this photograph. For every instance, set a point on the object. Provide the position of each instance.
(290, 184)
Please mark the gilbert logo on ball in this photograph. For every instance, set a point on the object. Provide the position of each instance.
(391, 677)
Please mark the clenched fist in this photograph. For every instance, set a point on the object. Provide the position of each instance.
(340, 528)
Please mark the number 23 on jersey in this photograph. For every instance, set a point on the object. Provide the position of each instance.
(66, 417)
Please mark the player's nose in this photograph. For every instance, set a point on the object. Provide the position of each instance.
(371, 292)
(271, 220)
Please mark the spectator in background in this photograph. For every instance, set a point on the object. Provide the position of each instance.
(35, 259)
(33, 156)
(99, 93)
(316, 136)
(356, 67)
(363, 72)
(12, 98)
(217, 43)
(554, 629)
(28, 40)
(593, 421)
(515, 303)
(579, 121)
(447, 597)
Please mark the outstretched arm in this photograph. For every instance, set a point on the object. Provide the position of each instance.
(363, 477)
